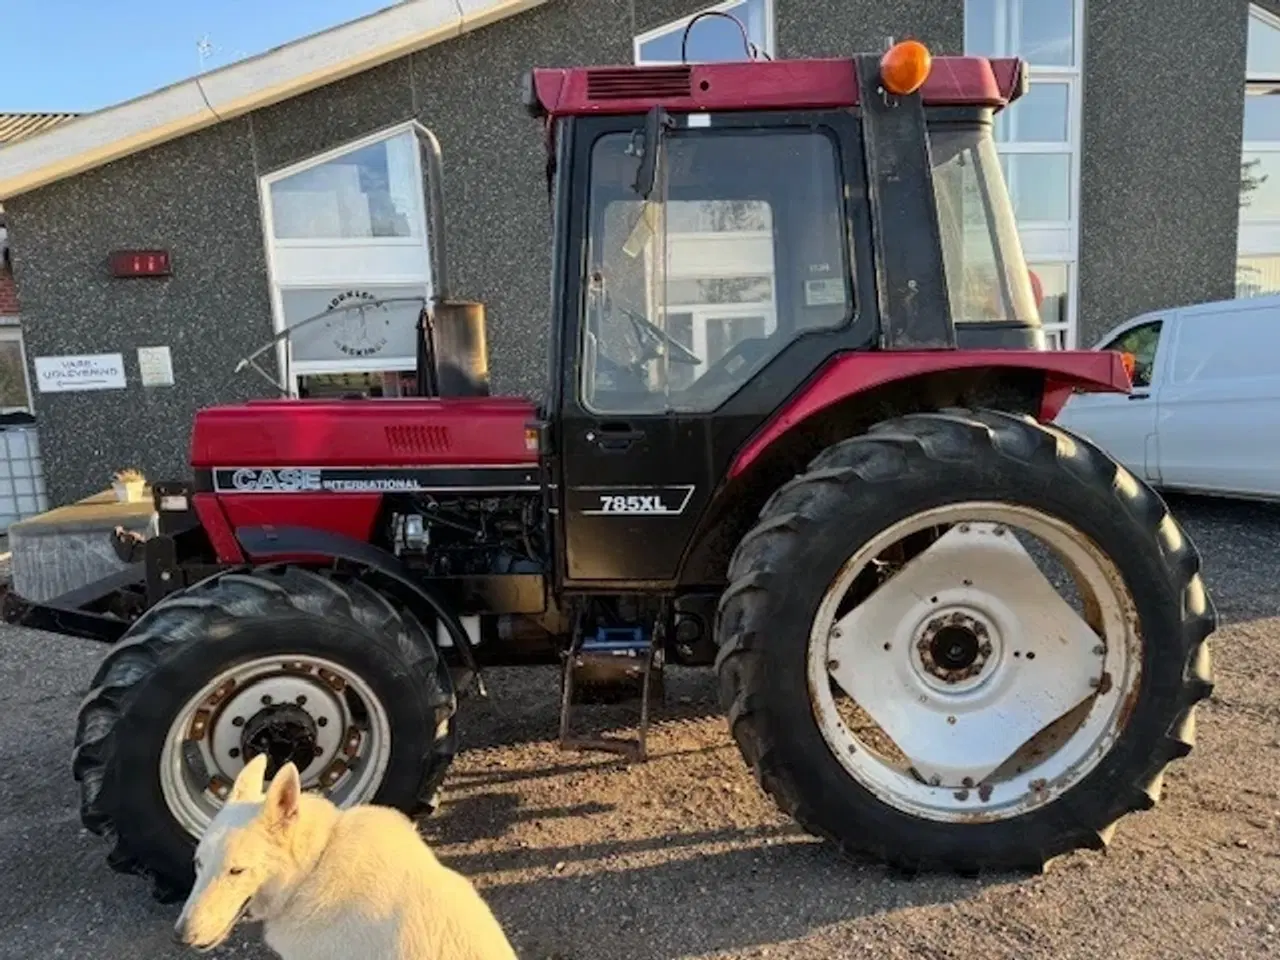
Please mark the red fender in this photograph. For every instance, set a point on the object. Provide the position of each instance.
(1095, 371)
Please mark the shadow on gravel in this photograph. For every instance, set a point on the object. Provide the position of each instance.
(600, 763)
(698, 903)
(524, 707)
(488, 816)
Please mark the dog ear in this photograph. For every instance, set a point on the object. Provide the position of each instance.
(283, 795)
(248, 785)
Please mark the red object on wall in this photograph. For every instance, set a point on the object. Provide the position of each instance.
(8, 294)
(140, 263)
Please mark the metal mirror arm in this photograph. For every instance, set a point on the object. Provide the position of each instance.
(251, 360)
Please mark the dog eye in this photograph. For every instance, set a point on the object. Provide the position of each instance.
(236, 871)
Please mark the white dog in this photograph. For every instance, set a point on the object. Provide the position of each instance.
(330, 883)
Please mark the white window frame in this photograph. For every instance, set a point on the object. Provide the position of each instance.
(767, 46)
(290, 370)
(1259, 237)
(11, 330)
(1057, 241)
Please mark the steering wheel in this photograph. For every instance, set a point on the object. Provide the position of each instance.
(650, 335)
(725, 373)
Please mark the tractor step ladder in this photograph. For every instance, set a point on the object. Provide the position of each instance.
(615, 665)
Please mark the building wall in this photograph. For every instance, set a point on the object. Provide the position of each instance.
(1160, 181)
(1161, 154)
(8, 293)
(198, 198)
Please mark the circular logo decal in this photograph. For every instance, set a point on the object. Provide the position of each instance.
(361, 330)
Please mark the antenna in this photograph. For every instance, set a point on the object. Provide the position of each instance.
(203, 49)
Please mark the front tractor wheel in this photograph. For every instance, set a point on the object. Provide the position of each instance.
(317, 670)
(964, 641)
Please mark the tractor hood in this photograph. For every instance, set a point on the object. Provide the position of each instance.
(461, 431)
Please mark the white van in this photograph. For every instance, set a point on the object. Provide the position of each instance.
(1204, 414)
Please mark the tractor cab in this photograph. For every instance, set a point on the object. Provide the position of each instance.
(722, 232)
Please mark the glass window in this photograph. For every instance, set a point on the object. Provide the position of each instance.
(1051, 285)
(1216, 348)
(717, 290)
(1042, 32)
(1258, 276)
(982, 254)
(1263, 58)
(370, 193)
(364, 330)
(691, 295)
(1141, 341)
(712, 39)
(1039, 117)
(1039, 186)
(14, 392)
(1260, 185)
(1262, 114)
(379, 383)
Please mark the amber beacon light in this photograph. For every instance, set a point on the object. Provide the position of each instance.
(905, 67)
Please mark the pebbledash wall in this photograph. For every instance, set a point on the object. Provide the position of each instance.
(1125, 166)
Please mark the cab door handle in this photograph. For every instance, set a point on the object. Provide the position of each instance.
(616, 436)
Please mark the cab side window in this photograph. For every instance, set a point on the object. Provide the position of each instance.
(1141, 341)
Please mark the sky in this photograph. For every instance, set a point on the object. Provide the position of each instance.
(80, 55)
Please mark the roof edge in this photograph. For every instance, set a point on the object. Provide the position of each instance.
(96, 139)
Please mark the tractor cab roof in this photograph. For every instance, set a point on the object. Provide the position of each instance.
(758, 85)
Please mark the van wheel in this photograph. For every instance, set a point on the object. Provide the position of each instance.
(319, 670)
(964, 641)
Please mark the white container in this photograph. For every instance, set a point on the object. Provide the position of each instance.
(129, 491)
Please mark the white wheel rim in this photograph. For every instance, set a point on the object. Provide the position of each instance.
(951, 725)
(245, 705)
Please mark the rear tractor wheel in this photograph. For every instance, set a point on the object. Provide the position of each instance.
(964, 641)
(325, 672)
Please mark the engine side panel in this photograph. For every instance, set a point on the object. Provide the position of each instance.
(352, 468)
(412, 432)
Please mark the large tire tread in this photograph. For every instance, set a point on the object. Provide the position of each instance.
(202, 613)
(889, 453)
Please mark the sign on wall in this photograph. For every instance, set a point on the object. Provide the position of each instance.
(67, 374)
(155, 364)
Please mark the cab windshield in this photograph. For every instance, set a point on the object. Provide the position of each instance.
(739, 249)
(987, 277)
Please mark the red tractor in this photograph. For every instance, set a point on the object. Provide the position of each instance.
(798, 426)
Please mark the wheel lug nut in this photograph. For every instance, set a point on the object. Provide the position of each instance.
(302, 698)
(317, 750)
(234, 752)
(266, 699)
(322, 721)
(237, 721)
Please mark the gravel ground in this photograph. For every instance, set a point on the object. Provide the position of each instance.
(586, 859)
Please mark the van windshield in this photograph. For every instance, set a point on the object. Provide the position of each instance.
(987, 276)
